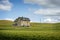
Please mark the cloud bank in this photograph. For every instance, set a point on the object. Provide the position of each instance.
(50, 8)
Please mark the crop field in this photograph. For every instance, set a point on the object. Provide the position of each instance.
(37, 31)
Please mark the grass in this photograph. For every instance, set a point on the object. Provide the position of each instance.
(29, 35)
(37, 31)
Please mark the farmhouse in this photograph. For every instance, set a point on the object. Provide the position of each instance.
(22, 21)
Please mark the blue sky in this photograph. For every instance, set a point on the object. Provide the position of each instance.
(36, 10)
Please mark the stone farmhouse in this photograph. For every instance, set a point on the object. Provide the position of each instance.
(22, 21)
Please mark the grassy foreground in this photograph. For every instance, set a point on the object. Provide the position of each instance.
(29, 35)
(37, 31)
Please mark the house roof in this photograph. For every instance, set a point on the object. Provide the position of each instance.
(22, 18)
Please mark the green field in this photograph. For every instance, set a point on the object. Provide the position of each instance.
(37, 31)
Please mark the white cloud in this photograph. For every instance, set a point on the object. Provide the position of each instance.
(45, 3)
(48, 11)
(5, 5)
(9, 19)
(50, 20)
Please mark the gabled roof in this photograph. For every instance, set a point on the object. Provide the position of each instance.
(22, 18)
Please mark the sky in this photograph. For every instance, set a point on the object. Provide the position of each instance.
(44, 11)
